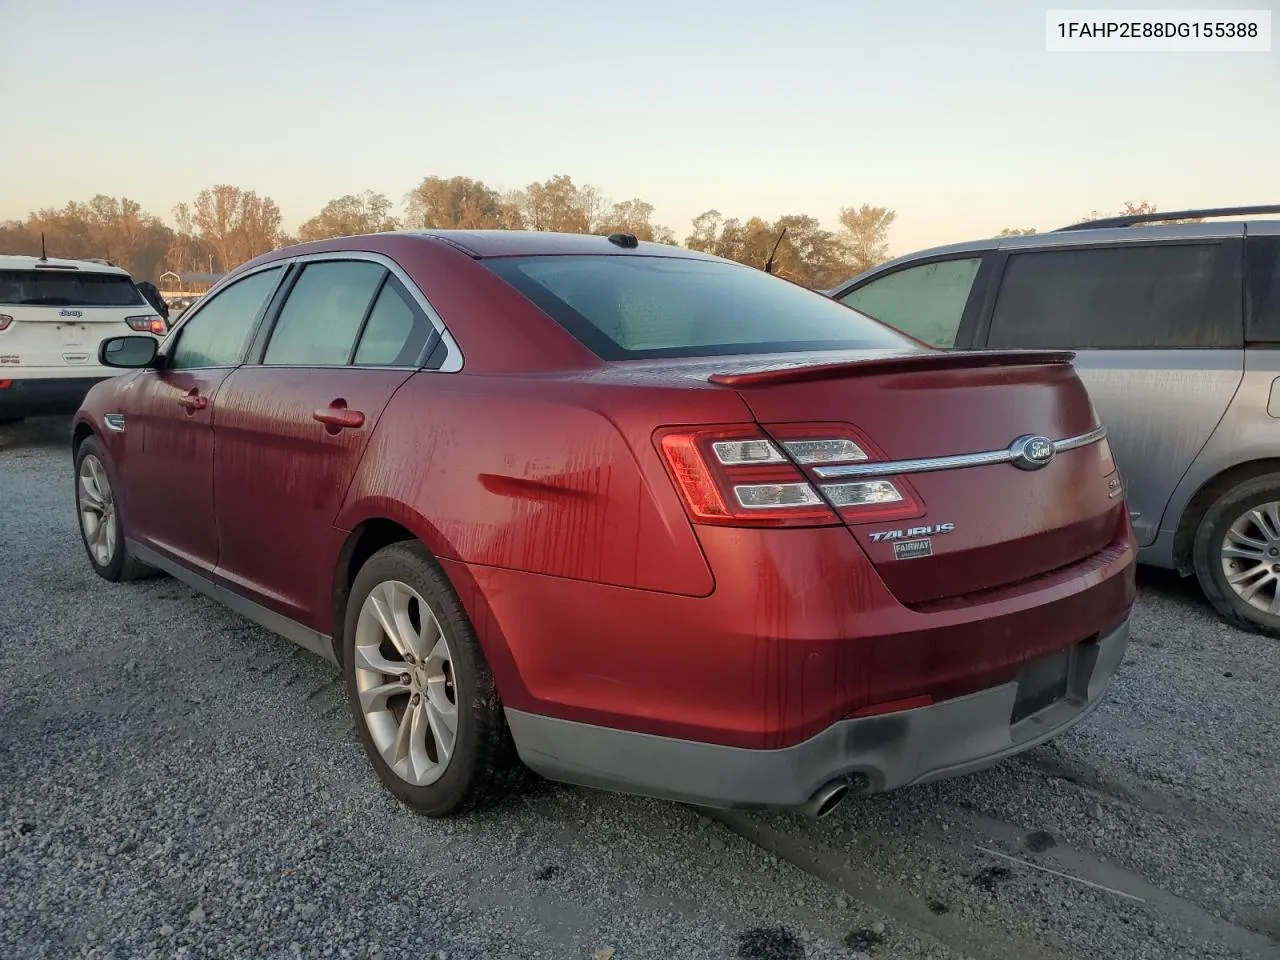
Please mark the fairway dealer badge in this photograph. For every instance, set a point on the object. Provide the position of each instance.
(1031, 452)
(911, 542)
(910, 549)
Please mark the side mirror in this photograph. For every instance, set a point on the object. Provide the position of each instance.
(132, 353)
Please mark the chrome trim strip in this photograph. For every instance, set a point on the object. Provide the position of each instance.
(114, 421)
(957, 462)
(1071, 443)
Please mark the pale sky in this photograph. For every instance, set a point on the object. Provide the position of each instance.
(952, 114)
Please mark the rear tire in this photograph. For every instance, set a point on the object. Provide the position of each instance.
(421, 693)
(1236, 553)
(101, 528)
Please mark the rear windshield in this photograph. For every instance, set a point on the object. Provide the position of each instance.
(629, 307)
(67, 288)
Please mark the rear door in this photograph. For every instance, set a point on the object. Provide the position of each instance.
(1158, 332)
(292, 427)
(57, 316)
(936, 300)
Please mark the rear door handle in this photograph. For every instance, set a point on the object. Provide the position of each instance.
(337, 417)
(193, 401)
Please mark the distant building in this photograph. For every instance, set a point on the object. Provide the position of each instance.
(179, 284)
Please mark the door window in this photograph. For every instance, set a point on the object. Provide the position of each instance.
(216, 334)
(1131, 297)
(926, 301)
(1263, 271)
(321, 319)
(397, 330)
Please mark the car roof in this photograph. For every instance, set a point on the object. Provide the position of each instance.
(1209, 229)
(14, 262)
(532, 243)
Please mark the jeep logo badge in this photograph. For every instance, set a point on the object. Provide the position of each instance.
(1031, 452)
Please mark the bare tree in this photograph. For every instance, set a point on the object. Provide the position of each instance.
(238, 224)
(866, 235)
(349, 216)
(458, 203)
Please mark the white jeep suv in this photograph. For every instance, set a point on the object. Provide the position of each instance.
(53, 315)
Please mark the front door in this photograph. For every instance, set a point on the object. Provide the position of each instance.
(1159, 334)
(169, 428)
(293, 427)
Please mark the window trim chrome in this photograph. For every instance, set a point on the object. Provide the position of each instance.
(453, 359)
(956, 462)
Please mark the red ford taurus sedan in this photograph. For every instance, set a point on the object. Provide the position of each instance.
(623, 514)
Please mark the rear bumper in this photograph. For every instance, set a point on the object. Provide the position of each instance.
(876, 753)
(44, 396)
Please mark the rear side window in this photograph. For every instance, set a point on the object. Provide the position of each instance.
(1113, 297)
(1262, 286)
(67, 288)
(215, 336)
(396, 332)
(926, 301)
(628, 307)
(320, 321)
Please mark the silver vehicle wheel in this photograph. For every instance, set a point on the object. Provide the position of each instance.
(1250, 555)
(404, 678)
(97, 510)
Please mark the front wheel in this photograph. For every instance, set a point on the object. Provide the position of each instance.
(1237, 554)
(422, 695)
(101, 529)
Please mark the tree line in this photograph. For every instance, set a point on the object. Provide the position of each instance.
(226, 225)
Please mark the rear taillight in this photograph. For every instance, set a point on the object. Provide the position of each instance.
(832, 444)
(5, 320)
(742, 476)
(737, 476)
(147, 324)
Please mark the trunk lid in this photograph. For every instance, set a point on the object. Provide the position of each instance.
(982, 523)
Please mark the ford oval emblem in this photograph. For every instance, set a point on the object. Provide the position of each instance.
(1031, 452)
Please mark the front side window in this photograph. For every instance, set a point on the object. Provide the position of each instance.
(217, 333)
(926, 301)
(1131, 297)
(321, 319)
(62, 287)
(629, 307)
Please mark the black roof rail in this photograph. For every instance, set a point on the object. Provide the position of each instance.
(1133, 219)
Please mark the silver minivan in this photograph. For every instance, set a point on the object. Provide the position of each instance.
(1176, 328)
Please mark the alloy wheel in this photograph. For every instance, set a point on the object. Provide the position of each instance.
(97, 510)
(404, 677)
(1250, 555)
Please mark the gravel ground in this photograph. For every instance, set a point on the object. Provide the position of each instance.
(175, 782)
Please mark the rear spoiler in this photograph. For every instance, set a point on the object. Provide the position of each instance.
(899, 363)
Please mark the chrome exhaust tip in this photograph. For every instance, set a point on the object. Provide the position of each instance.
(826, 799)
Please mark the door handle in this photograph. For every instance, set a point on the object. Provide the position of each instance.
(193, 401)
(337, 417)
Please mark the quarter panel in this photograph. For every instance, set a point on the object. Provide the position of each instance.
(1160, 408)
(533, 475)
